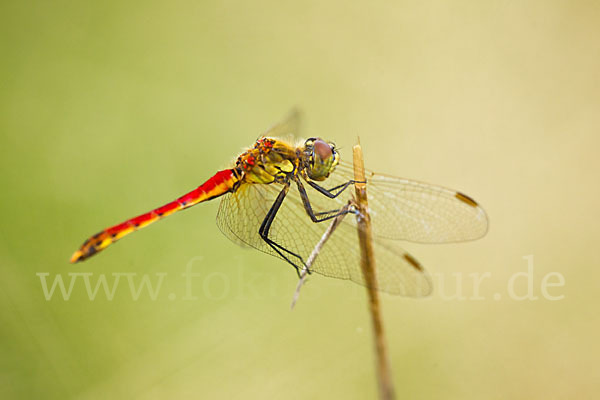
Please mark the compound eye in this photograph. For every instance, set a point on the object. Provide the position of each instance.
(322, 149)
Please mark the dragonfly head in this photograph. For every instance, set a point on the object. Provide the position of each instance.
(320, 158)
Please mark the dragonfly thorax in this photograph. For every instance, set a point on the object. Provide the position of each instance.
(270, 160)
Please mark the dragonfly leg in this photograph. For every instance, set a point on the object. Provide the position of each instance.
(266, 226)
(330, 192)
(320, 216)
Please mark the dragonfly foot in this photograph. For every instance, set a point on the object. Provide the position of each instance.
(302, 273)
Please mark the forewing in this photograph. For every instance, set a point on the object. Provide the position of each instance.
(289, 127)
(415, 211)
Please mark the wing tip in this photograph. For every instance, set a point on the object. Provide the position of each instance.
(466, 199)
(413, 262)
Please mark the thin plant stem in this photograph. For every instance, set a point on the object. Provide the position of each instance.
(386, 387)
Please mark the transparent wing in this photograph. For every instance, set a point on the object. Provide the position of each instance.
(289, 127)
(241, 214)
(404, 209)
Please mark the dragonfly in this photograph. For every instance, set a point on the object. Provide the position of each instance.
(278, 196)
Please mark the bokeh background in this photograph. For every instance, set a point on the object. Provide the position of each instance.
(108, 109)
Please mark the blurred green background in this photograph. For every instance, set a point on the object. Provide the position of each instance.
(108, 109)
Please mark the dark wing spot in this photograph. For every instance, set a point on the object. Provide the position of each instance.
(411, 260)
(466, 199)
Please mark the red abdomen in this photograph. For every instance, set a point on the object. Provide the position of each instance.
(222, 182)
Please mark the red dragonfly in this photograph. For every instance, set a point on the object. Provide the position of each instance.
(274, 199)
